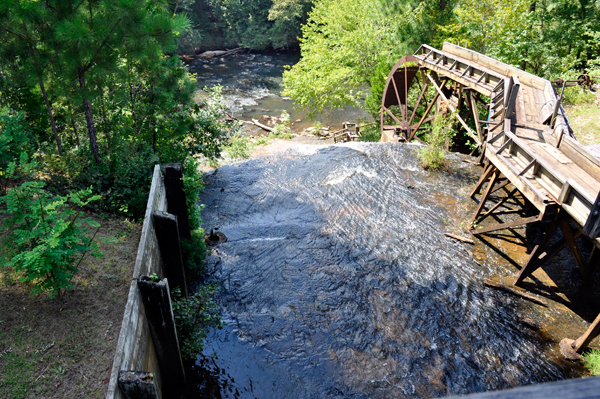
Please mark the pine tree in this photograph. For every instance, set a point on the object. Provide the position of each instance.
(24, 26)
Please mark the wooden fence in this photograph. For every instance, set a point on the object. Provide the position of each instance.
(135, 350)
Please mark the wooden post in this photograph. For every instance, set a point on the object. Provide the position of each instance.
(570, 238)
(571, 349)
(167, 235)
(159, 313)
(485, 196)
(532, 263)
(592, 225)
(138, 385)
(176, 203)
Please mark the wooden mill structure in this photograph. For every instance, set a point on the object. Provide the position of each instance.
(527, 147)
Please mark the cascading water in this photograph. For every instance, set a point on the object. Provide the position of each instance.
(337, 282)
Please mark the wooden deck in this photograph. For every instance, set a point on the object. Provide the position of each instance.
(528, 138)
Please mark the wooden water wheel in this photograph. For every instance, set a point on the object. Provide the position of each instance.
(414, 94)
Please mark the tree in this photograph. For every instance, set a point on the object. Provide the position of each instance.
(342, 45)
(24, 27)
(92, 37)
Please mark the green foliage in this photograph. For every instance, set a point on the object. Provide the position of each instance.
(342, 46)
(371, 133)
(194, 253)
(283, 129)
(46, 235)
(252, 24)
(194, 249)
(193, 317)
(591, 360)
(15, 136)
(548, 38)
(239, 147)
(433, 155)
(192, 185)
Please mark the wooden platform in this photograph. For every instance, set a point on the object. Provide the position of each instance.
(529, 141)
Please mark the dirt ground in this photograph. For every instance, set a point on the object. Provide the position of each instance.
(64, 347)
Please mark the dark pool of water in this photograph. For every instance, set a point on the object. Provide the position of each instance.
(337, 282)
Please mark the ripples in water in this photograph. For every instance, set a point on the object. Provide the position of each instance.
(337, 281)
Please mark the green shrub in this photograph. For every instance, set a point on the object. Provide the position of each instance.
(282, 130)
(192, 185)
(433, 155)
(194, 253)
(371, 133)
(239, 147)
(193, 317)
(591, 360)
(46, 234)
(15, 136)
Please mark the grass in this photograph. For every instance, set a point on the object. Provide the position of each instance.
(64, 347)
(583, 115)
(591, 360)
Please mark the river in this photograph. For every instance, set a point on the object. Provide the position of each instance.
(252, 88)
(337, 280)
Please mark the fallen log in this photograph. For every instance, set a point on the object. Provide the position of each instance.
(524, 295)
(459, 238)
(260, 125)
(229, 52)
(219, 53)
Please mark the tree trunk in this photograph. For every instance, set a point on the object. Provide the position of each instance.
(73, 126)
(87, 106)
(442, 5)
(50, 115)
(104, 127)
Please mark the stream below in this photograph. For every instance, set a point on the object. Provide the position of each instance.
(337, 282)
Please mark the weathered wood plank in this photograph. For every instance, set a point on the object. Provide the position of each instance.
(582, 388)
(135, 350)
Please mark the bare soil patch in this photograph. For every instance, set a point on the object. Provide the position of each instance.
(64, 347)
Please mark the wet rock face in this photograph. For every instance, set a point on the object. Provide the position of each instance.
(336, 281)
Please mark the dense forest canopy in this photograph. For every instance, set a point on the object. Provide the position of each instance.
(349, 46)
(90, 87)
(95, 89)
(254, 24)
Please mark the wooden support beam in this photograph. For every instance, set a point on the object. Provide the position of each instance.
(507, 225)
(398, 98)
(532, 263)
(159, 313)
(405, 113)
(501, 185)
(473, 106)
(571, 349)
(393, 116)
(570, 238)
(502, 201)
(423, 90)
(485, 196)
(167, 235)
(427, 111)
(495, 284)
(485, 175)
(176, 203)
(592, 224)
(462, 122)
(138, 385)
(558, 246)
